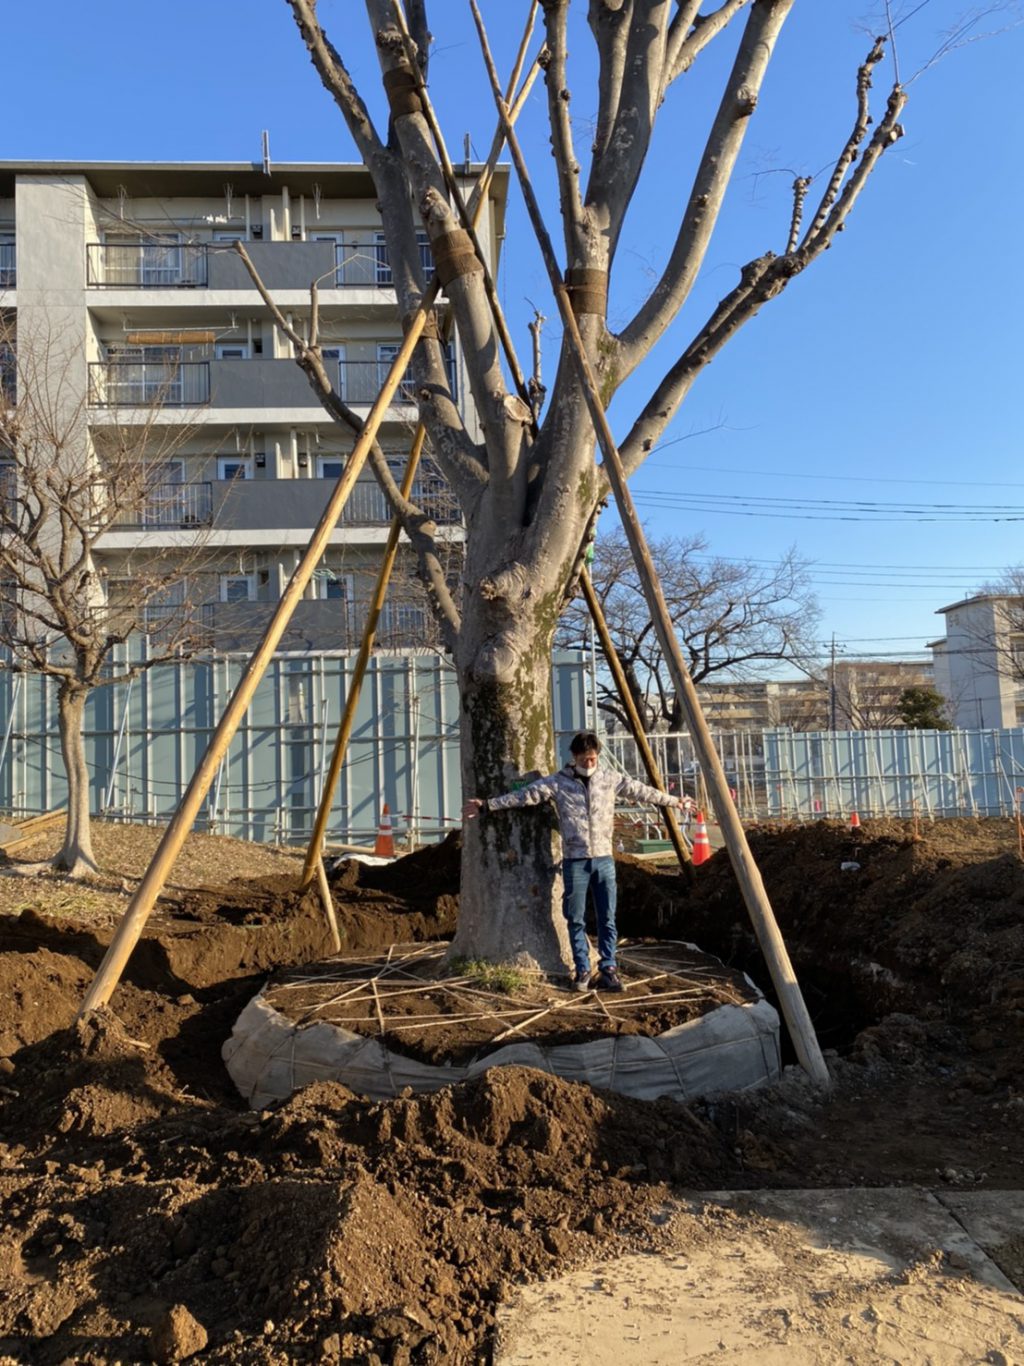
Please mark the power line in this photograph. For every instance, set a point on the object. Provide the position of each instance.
(840, 478)
(828, 509)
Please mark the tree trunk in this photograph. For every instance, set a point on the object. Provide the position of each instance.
(75, 856)
(510, 907)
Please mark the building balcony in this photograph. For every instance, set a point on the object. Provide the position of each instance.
(149, 384)
(217, 266)
(297, 504)
(323, 624)
(171, 506)
(265, 511)
(236, 384)
(8, 265)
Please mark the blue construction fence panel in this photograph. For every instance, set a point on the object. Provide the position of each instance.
(145, 738)
(814, 774)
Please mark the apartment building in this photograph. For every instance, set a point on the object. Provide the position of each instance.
(857, 695)
(979, 663)
(129, 275)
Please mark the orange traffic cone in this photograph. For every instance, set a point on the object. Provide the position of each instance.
(384, 846)
(854, 821)
(701, 843)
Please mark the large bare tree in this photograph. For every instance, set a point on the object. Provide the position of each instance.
(735, 619)
(64, 485)
(530, 490)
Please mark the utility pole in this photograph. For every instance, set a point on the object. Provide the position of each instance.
(832, 687)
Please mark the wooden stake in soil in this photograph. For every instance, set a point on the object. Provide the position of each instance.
(328, 904)
(754, 895)
(181, 822)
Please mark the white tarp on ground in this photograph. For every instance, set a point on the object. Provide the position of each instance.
(732, 1048)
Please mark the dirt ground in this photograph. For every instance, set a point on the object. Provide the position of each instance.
(147, 1215)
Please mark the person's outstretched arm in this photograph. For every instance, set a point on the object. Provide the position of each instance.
(542, 790)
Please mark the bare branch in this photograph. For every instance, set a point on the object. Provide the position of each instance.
(800, 187)
(857, 135)
(556, 81)
(712, 179)
(706, 27)
(761, 280)
(631, 42)
(336, 80)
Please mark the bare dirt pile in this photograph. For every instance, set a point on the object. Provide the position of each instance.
(912, 966)
(327, 1229)
(145, 1214)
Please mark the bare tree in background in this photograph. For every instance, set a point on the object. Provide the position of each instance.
(63, 487)
(530, 489)
(733, 618)
(1008, 639)
(869, 695)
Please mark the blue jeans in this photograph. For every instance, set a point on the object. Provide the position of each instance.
(598, 876)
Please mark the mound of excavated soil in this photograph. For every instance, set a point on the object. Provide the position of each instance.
(327, 1228)
(931, 927)
(330, 1228)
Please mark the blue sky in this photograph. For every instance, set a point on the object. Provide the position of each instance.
(883, 376)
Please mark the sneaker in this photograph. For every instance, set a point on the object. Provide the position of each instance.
(608, 979)
(581, 982)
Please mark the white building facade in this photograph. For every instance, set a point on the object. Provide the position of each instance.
(979, 664)
(133, 268)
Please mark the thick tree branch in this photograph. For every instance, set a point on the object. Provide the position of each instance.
(631, 42)
(761, 280)
(337, 81)
(556, 80)
(705, 27)
(710, 184)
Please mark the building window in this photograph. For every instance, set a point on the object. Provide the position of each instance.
(231, 350)
(333, 358)
(334, 586)
(330, 466)
(232, 467)
(238, 588)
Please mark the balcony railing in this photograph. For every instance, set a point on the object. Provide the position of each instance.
(146, 265)
(185, 265)
(8, 265)
(8, 375)
(368, 264)
(172, 505)
(141, 384)
(367, 505)
(360, 381)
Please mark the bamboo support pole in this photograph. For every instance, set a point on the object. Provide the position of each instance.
(137, 913)
(319, 831)
(316, 839)
(636, 725)
(747, 873)
(468, 221)
(328, 904)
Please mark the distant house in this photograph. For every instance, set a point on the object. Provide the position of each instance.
(979, 663)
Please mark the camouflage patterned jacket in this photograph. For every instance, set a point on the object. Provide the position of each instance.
(586, 810)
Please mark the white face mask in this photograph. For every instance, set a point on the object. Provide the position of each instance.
(585, 767)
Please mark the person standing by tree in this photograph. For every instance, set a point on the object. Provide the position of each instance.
(584, 795)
